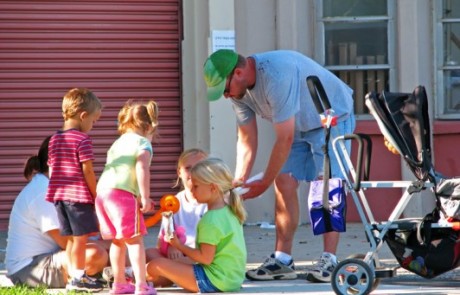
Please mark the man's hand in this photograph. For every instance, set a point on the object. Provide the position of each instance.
(256, 188)
(244, 188)
(280, 152)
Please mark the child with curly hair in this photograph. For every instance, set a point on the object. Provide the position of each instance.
(123, 194)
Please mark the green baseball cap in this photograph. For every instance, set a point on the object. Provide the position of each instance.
(216, 69)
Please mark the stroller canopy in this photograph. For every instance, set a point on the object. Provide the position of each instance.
(403, 120)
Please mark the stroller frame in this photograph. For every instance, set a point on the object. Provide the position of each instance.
(361, 273)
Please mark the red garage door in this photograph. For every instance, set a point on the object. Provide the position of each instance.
(118, 49)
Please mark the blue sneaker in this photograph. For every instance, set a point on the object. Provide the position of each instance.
(321, 272)
(84, 284)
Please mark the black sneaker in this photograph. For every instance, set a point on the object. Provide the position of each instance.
(272, 269)
(84, 284)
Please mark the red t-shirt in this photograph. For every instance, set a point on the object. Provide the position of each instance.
(66, 151)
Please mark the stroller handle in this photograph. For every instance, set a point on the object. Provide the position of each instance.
(318, 94)
(360, 138)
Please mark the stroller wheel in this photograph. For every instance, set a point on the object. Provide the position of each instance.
(352, 277)
(376, 282)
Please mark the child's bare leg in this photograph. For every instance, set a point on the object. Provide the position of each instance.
(152, 253)
(68, 251)
(136, 253)
(117, 260)
(180, 273)
(78, 252)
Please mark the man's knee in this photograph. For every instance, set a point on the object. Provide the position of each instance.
(286, 184)
(96, 258)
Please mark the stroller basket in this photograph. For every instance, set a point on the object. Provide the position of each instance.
(428, 256)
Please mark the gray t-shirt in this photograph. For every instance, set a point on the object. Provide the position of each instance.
(281, 91)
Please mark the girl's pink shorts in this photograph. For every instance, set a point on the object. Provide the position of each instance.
(119, 215)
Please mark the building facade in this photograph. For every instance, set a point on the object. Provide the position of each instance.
(371, 45)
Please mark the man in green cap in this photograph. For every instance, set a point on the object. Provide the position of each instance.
(273, 85)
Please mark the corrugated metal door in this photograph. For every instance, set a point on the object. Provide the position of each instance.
(118, 49)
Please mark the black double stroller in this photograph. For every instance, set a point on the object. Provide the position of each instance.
(427, 246)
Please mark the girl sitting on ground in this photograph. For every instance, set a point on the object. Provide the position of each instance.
(220, 255)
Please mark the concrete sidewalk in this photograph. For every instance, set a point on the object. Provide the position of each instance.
(307, 248)
(260, 241)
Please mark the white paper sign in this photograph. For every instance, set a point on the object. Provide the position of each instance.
(223, 40)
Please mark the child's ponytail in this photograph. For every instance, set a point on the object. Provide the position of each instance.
(138, 115)
(236, 204)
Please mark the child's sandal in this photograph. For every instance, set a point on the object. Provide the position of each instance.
(145, 289)
(122, 288)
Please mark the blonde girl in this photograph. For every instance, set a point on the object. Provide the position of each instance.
(220, 255)
(123, 194)
(189, 213)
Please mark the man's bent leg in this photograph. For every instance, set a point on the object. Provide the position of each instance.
(286, 219)
(96, 258)
(286, 212)
(45, 269)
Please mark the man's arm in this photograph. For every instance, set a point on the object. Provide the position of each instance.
(56, 236)
(284, 132)
(246, 149)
